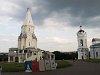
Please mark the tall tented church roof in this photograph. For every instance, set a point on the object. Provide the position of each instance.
(28, 19)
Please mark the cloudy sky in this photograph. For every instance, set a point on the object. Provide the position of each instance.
(56, 22)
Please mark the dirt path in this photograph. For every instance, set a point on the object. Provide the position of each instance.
(78, 68)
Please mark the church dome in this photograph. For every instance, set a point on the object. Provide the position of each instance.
(81, 31)
(93, 40)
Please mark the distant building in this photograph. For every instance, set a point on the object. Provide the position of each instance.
(83, 51)
(4, 54)
(95, 49)
(13, 55)
(95, 41)
(3, 57)
(27, 44)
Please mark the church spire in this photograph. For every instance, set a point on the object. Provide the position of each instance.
(28, 19)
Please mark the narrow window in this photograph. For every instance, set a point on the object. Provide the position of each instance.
(96, 54)
(29, 29)
(52, 57)
(34, 53)
(86, 42)
(81, 42)
(11, 58)
(29, 43)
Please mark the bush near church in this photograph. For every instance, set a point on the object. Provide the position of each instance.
(65, 55)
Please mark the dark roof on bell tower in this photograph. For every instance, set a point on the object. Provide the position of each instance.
(81, 29)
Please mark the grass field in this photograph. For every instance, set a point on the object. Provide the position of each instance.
(93, 60)
(12, 67)
(62, 64)
(19, 67)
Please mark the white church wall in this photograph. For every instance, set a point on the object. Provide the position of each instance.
(35, 56)
(84, 54)
(84, 38)
(93, 54)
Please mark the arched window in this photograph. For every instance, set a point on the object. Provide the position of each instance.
(81, 42)
(96, 54)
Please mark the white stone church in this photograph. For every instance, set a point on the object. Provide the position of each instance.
(95, 49)
(27, 44)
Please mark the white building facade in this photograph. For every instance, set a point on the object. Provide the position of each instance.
(95, 49)
(83, 51)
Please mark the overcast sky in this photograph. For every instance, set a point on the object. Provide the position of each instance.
(56, 22)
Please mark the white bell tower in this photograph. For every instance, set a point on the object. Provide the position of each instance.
(83, 52)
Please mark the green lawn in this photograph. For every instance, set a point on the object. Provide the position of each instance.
(93, 60)
(62, 64)
(12, 67)
(19, 67)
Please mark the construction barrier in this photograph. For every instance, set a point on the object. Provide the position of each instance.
(47, 65)
(41, 65)
(35, 66)
(28, 66)
(53, 64)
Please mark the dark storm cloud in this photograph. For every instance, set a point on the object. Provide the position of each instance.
(20, 12)
(85, 9)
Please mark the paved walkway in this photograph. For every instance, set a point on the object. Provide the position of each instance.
(78, 68)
